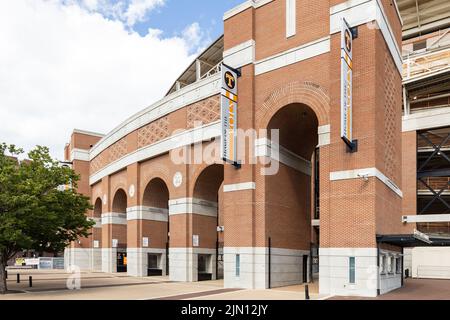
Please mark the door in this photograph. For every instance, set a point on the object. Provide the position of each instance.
(305, 269)
(121, 262)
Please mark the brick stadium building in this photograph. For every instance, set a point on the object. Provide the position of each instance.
(330, 214)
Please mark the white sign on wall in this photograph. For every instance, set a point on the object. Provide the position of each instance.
(346, 84)
(229, 109)
(96, 244)
(115, 243)
(145, 242)
(195, 240)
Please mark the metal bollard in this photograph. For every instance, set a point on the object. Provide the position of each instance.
(18, 278)
(307, 292)
(30, 281)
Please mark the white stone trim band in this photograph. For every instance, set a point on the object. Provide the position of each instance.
(358, 12)
(324, 135)
(437, 218)
(98, 222)
(114, 218)
(239, 187)
(266, 148)
(79, 154)
(147, 213)
(427, 119)
(294, 55)
(244, 6)
(240, 55)
(193, 206)
(185, 138)
(366, 173)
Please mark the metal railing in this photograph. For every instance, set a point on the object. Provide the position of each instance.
(422, 65)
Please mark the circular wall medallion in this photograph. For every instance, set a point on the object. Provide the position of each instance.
(105, 199)
(131, 191)
(177, 179)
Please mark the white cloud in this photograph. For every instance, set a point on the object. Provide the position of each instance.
(129, 12)
(64, 67)
(137, 10)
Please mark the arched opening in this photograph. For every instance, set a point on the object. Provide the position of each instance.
(292, 196)
(97, 235)
(98, 208)
(119, 231)
(207, 225)
(120, 202)
(155, 228)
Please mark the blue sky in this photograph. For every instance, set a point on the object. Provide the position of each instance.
(175, 15)
(90, 64)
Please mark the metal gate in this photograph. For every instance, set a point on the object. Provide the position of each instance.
(219, 259)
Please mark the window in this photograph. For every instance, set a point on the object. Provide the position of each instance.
(352, 270)
(290, 18)
(383, 264)
(418, 46)
(238, 265)
(391, 264)
(398, 265)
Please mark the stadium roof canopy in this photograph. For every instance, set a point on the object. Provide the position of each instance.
(207, 61)
(423, 16)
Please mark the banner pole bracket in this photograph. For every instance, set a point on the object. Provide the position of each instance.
(237, 71)
(352, 147)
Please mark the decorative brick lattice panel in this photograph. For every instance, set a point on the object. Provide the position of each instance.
(390, 118)
(117, 150)
(97, 163)
(205, 111)
(153, 132)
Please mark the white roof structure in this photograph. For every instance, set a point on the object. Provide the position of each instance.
(423, 16)
(205, 63)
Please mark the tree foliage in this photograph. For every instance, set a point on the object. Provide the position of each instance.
(35, 212)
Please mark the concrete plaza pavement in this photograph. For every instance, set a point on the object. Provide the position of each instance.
(52, 285)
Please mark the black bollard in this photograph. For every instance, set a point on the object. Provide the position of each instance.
(30, 280)
(307, 292)
(18, 278)
(6, 274)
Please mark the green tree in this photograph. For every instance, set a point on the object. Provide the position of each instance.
(34, 213)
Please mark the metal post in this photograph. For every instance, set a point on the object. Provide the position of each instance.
(18, 278)
(270, 262)
(167, 258)
(6, 274)
(307, 297)
(30, 281)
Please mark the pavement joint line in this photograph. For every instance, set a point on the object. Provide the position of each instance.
(58, 290)
(326, 297)
(174, 295)
(188, 296)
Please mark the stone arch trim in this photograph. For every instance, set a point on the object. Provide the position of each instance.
(304, 92)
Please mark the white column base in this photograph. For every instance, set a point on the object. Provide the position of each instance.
(183, 263)
(138, 261)
(96, 262)
(334, 273)
(109, 260)
(286, 267)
